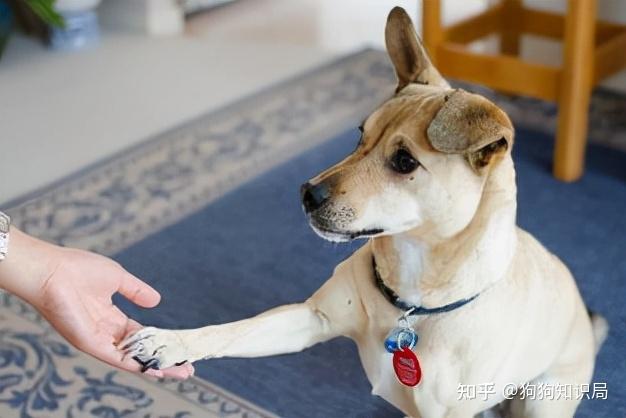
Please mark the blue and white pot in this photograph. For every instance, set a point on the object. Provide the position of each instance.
(81, 25)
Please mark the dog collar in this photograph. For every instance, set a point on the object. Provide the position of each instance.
(409, 308)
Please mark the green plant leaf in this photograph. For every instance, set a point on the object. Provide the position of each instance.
(45, 10)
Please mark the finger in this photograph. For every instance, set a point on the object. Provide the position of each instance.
(179, 372)
(132, 326)
(138, 292)
(154, 373)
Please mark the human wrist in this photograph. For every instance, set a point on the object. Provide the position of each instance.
(27, 266)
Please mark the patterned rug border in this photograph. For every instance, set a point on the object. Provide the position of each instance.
(186, 391)
(194, 390)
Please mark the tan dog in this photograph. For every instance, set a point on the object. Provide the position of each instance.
(432, 185)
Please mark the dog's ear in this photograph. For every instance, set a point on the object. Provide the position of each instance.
(470, 124)
(407, 53)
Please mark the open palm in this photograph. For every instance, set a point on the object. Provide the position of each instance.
(76, 300)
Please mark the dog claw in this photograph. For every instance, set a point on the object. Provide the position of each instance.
(133, 352)
(151, 363)
(134, 340)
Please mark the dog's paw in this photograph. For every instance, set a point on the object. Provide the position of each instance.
(155, 348)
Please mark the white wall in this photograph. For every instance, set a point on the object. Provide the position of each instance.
(345, 23)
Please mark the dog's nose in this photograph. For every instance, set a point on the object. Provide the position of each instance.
(314, 195)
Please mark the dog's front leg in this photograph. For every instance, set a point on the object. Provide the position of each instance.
(285, 329)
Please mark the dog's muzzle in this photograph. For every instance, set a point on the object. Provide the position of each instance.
(328, 221)
(314, 196)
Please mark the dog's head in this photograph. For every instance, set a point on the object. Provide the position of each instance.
(423, 157)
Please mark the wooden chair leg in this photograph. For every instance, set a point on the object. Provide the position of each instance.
(575, 89)
(432, 31)
(511, 27)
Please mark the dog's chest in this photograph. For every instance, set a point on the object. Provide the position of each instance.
(411, 256)
(378, 365)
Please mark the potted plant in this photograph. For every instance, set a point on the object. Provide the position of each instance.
(64, 24)
(34, 17)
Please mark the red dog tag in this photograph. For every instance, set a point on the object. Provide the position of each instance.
(407, 367)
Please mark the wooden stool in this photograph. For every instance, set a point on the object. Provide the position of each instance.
(592, 51)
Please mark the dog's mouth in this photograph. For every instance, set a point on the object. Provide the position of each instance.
(332, 223)
(344, 236)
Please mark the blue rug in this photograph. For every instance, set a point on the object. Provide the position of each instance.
(209, 214)
(252, 250)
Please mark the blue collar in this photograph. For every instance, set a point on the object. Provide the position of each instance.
(405, 306)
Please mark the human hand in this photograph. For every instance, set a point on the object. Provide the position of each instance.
(72, 289)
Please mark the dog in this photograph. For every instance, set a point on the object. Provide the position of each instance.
(431, 186)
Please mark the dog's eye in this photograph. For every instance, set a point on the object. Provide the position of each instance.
(403, 162)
